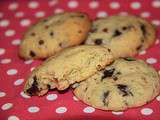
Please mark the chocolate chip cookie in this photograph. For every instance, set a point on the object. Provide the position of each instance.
(126, 83)
(71, 65)
(124, 35)
(53, 34)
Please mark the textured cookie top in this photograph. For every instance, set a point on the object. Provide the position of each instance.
(67, 67)
(123, 34)
(53, 34)
(124, 84)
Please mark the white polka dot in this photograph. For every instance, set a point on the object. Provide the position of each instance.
(19, 14)
(72, 4)
(2, 94)
(88, 110)
(145, 14)
(11, 71)
(114, 5)
(156, 22)
(142, 52)
(51, 97)
(25, 22)
(146, 111)
(4, 23)
(13, 117)
(151, 60)
(123, 13)
(58, 10)
(28, 61)
(40, 14)
(18, 82)
(5, 61)
(13, 6)
(52, 2)
(156, 4)
(33, 4)
(16, 42)
(117, 113)
(75, 98)
(158, 98)
(1, 15)
(7, 106)
(2, 51)
(9, 33)
(61, 110)
(135, 5)
(101, 14)
(157, 41)
(93, 4)
(24, 95)
(33, 109)
(32, 68)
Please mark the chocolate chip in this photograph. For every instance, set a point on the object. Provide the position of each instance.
(51, 33)
(33, 90)
(139, 47)
(124, 89)
(33, 34)
(115, 78)
(93, 30)
(109, 50)
(143, 28)
(129, 59)
(105, 95)
(41, 42)
(124, 28)
(105, 30)
(98, 41)
(108, 73)
(46, 27)
(117, 33)
(118, 73)
(32, 54)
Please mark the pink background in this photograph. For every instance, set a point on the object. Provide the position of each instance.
(16, 16)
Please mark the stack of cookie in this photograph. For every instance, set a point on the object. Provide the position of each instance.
(101, 71)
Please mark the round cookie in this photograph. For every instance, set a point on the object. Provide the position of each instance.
(52, 34)
(67, 67)
(126, 83)
(122, 34)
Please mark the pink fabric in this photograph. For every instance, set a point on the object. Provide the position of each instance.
(16, 16)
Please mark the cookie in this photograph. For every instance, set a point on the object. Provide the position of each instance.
(71, 65)
(124, 35)
(53, 34)
(126, 83)
(148, 31)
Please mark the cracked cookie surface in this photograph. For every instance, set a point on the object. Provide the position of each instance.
(126, 83)
(52, 34)
(71, 65)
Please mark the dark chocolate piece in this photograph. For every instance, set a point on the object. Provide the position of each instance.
(143, 28)
(33, 34)
(32, 54)
(33, 90)
(105, 95)
(108, 73)
(51, 33)
(98, 41)
(41, 42)
(124, 28)
(117, 33)
(105, 30)
(124, 89)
